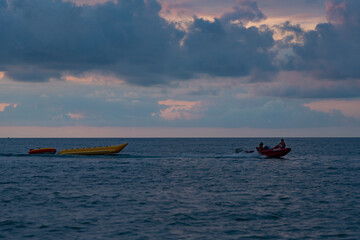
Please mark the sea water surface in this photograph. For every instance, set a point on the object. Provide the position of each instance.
(181, 189)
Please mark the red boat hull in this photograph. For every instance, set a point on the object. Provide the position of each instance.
(42, 151)
(275, 153)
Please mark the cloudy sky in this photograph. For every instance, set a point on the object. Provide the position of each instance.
(179, 68)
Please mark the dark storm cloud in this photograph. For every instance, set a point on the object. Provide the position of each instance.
(128, 38)
(224, 49)
(332, 50)
(41, 39)
(31, 73)
(288, 27)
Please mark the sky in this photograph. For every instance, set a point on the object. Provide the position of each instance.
(179, 68)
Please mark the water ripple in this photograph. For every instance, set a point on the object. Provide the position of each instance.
(181, 189)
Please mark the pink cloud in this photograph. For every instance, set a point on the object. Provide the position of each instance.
(76, 116)
(335, 12)
(348, 108)
(89, 2)
(3, 106)
(185, 10)
(93, 78)
(276, 12)
(180, 109)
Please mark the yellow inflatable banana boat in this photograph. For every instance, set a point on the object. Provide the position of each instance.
(94, 150)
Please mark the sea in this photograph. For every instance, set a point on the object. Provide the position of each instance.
(180, 188)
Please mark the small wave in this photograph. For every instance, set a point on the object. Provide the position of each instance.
(11, 223)
(8, 223)
(13, 155)
(179, 223)
(9, 182)
(140, 156)
(65, 156)
(136, 156)
(243, 219)
(243, 155)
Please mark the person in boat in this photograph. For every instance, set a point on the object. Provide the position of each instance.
(262, 147)
(280, 145)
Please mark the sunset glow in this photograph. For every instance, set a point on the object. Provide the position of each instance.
(348, 108)
(3, 106)
(76, 116)
(276, 65)
(180, 109)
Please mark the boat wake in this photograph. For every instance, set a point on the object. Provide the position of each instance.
(136, 156)
(244, 155)
(14, 155)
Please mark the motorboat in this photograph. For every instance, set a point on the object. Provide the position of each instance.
(274, 152)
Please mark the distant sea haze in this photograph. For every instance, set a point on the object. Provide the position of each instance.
(181, 188)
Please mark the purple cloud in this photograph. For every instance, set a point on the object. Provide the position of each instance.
(244, 12)
(332, 50)
(44, 39)
(50, 37)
